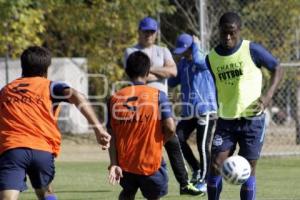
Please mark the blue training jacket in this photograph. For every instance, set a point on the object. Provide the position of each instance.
(197, 86)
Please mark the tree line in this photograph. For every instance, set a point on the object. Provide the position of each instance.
(100, 30)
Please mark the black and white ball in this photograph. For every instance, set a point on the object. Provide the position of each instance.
(236, 170)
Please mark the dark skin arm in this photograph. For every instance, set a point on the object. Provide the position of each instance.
(275, 79)
(115, 171)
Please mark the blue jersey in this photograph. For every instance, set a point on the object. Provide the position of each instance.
(197, 85)
(56, 91)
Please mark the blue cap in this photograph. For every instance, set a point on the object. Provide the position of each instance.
(183, 42)
(148, 24)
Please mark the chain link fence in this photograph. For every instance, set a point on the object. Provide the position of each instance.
(275, 25)
(283, 132)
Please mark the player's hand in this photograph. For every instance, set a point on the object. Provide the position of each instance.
(103, 138)
(196, 40)
(151, 77)
(264, 101)
(260, 105)
(115, 174)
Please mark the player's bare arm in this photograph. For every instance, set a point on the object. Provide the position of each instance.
(112, 149)
(168, 70)
(115, 171)
(276, 76)
(196, 40)
(85, 108)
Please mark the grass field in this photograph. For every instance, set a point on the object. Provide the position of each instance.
(278, 179)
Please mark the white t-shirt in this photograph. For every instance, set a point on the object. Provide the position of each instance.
(158, 56)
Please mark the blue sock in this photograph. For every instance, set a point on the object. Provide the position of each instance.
(51, 197)
(248, 189)
(214, 187)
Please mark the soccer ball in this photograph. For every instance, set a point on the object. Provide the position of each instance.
(236, 170)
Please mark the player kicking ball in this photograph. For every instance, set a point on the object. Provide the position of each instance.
(236, 64)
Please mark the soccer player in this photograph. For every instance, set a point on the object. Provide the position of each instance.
(199, 105)
(162, 68)
(140, 123)
(236, 66)
(29, 136)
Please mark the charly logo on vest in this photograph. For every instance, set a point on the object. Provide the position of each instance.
(230, 73)
(21, 88)
(135, 116)
(21, 96)
(130, 107)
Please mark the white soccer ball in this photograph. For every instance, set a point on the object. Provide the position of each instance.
(236, 170)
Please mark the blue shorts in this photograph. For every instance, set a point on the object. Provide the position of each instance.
(247, 132)
(16, 163)
(152, 187)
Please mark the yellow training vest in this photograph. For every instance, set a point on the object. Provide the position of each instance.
(238, 81)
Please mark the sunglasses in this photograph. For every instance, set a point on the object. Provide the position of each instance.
(149, 31)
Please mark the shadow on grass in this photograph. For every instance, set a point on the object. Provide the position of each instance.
(72, 191)
(81, 191)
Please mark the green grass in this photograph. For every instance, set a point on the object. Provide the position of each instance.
(277, 179)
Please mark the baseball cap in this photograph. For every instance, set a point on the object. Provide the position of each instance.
(183, 42)
(148, 24)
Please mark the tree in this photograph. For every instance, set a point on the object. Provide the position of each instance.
(273, 24)
(22, 24)
(99, 30)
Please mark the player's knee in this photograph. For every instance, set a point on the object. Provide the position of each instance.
(253, 166)
(214, 168)
(9, 194)
(216, 164)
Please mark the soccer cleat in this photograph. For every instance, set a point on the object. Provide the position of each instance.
(201, 186)
(190, 189)
(195, 177)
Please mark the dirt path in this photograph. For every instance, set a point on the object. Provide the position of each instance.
(81, 148)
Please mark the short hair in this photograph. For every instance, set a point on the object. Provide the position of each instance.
(230, 18)
(137, 65)
(35, 61)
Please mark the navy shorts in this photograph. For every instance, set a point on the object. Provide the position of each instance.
(247, 132)
(16, 163)
(152, 187)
